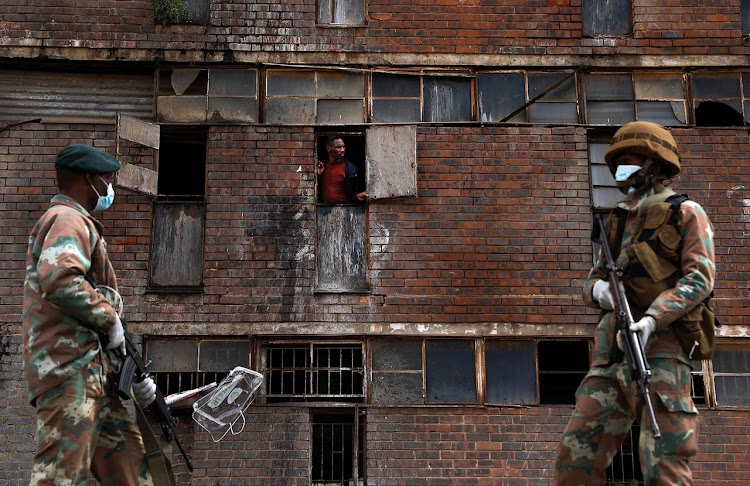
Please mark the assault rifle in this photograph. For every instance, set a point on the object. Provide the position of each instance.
(134, 371)
(639, 369)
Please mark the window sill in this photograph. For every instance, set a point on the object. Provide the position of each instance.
(341, 26)
(174, 290)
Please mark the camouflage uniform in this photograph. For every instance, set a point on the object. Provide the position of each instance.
(607, 401)
(81, 423)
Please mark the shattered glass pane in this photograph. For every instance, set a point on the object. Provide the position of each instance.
(662, 112)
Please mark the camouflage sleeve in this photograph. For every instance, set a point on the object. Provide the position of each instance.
(64, 259)
(698, 268)
(598, 272)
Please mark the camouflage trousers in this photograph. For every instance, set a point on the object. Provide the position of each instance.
(607, 403)
(81, 428)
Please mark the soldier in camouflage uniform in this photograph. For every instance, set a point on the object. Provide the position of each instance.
(667, 251)
(81, 422)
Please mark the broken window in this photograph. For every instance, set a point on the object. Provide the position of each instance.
(396, 98)
(604, 192)
(313, 372)
(660, 98)
(213, 96)
(731, 374)
(450, 371)
(179, 211)
(138, 158)
(511, 372)
(609, 99)
(337, 453)
(310, 97)
(341, 12)
(184, 364)
(396, 372)
(718, 99)
(562, 366)
(606, 17)
(625, 468)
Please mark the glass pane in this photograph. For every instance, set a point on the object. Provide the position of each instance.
(223, 356)
(553, 113)
(610, 17)
(606, 197)
(731, 360)
(511, 373)
(658, 87)
(732, 390)
(396, 388)
(395, 86)
(745, 12)
(385, 111)
(746, 83)
(712, 86)
(231, 82)
(325, 11)
(597, 151)
(747, 111)
(451, 373)
(718, 113)
(341, 111)
(232, 110)
(500, 94)
(539, 82)
(340, 85)
(172, 355)
(447, 99)
(348, 12)
(610, 113)
(396, 355)
(601, 176)
(290, 111)
(290, 83)
(609, 87)
(662, 112)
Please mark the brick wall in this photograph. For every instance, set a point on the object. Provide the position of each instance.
(508, 27)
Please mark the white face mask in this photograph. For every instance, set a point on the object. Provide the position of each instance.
(624, 172)
(104, 202)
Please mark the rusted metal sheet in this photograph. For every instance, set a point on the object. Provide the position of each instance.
(177, 225)
(74, 97)
(391, 161)
(342, 250)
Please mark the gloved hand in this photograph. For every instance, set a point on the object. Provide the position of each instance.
(116, 336)
(145, 391)
(603, 294)
(645, 326)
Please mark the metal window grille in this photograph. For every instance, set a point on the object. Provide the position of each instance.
(626, 466)
(337, 449)
(173, 382)
(314, 372)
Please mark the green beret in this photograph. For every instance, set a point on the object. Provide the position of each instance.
(85, 158)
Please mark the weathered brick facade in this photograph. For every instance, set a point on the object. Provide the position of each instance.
(497, 243)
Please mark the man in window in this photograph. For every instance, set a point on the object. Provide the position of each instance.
(338, 177)
(664, 243)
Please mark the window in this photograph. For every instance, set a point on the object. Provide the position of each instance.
(397, 372)
(450, 371)
(511, 372)
(428, 97)
(314, 97)
(180, 11)
(718, 98)
(213, 96)
(179, 211)
(562, 366)
(626, 465)
(731, 374)
(660, 98)
(606, 17)
(340, 13)
(745, 12)
(396, 98)
(184, 364)
(314, 372)
(503, 94)
(337, 448)
(604, 191)
(446, 99)
(609, 99)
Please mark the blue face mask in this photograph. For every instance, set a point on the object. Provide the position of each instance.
(104, 202)
(624, 172)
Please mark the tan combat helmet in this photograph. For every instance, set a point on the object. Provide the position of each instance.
(646, 138)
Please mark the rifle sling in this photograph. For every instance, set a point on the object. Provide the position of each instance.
(158, 464)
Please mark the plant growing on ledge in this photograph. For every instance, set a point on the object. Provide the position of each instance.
(170, 12)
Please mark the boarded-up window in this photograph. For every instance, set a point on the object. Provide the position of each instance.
(450, 371)
(562, 366)
(341, 12)
(341, 264)
(511, 372)
(391, 161)
(208, 96)
(397, 372)
(606, 17)
(60, 97)
(731, 366)
(609, 99)
(718, 98)
(604, 191)
(179, 211)
(309, 97)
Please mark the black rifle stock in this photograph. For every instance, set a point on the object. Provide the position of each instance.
(134, 371)
(634, 353)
